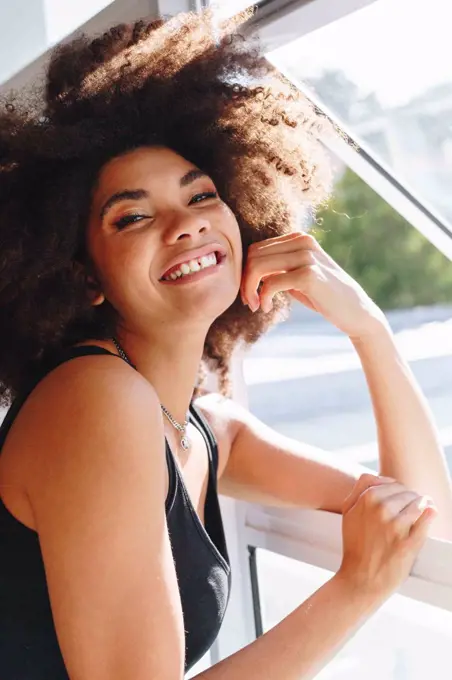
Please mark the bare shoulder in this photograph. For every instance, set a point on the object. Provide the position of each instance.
(97, 487)
(88, 399)
(225, 418)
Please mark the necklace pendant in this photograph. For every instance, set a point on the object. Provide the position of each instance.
(185, 442)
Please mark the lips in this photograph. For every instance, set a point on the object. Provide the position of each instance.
(194, 256)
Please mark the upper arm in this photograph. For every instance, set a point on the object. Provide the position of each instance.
(98, 497)
(263, 466)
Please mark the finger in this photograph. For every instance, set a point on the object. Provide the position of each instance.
(257, 268)
(278, 246)
(392, 501)
(419, 530)
(304, 277)
(365, 481)
(376, 498)
(412, 513)
(277, 283)
(297, 264)
(281, 242)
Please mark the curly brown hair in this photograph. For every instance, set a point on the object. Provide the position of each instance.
(200, 88)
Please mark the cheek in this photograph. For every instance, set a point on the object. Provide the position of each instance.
(119, 265)
(238, 248)
(234, 235)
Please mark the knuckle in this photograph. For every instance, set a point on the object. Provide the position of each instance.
(366, 480)
(413, 509)
(309, 238)
(266, 289)
(367, 477)
(413, 497)
(309, 258)
(383, 512)
(308, 274)
(370, 497)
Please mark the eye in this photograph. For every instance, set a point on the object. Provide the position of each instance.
(197, 198)
(128, 219)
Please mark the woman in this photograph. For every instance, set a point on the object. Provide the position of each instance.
(150, 221)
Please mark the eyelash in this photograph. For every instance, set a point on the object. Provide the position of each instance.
(131, 219)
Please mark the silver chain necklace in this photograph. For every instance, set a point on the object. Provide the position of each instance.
(185, 441)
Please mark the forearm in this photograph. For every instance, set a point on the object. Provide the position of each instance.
(409, 448)
(304, 642)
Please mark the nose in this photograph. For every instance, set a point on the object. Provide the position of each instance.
(185, 226)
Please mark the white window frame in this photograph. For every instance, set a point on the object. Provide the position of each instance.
(279, 22)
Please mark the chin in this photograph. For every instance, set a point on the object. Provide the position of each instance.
(211, 304)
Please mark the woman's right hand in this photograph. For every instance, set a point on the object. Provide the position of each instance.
(383, 529)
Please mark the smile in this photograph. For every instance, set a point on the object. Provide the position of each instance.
(190, 267)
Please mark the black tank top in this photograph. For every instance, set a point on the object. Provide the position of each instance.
(29, 648)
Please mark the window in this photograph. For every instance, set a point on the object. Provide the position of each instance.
(384, 73)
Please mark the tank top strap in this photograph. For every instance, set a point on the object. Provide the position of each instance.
(212, 446)
(61, 357)
(73, 353)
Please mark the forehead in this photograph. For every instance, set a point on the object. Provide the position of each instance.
(150, 164)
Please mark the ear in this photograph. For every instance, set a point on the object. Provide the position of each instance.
(95, 295)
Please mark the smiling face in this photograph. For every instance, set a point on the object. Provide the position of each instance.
(164, 246)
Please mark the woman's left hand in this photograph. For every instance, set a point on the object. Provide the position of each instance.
(296, 263)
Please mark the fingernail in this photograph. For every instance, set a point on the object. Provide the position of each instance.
(254, 303)
(426, 502)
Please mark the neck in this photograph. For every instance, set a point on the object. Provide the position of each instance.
(171, 366)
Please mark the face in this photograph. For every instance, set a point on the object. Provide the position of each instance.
(164, 246)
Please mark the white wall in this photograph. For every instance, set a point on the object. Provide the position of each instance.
(25, 41)
(22, 34)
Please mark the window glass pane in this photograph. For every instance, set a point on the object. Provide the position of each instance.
(385, 72)
(304, 378)
(405, 640)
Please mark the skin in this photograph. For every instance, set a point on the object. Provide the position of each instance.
(128, 624)
(154, 313)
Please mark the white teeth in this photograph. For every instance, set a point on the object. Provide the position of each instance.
(193, 266)
(208, 260)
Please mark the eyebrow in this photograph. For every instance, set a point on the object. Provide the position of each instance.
(138, 194)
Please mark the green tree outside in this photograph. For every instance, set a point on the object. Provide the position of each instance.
(395, 264)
